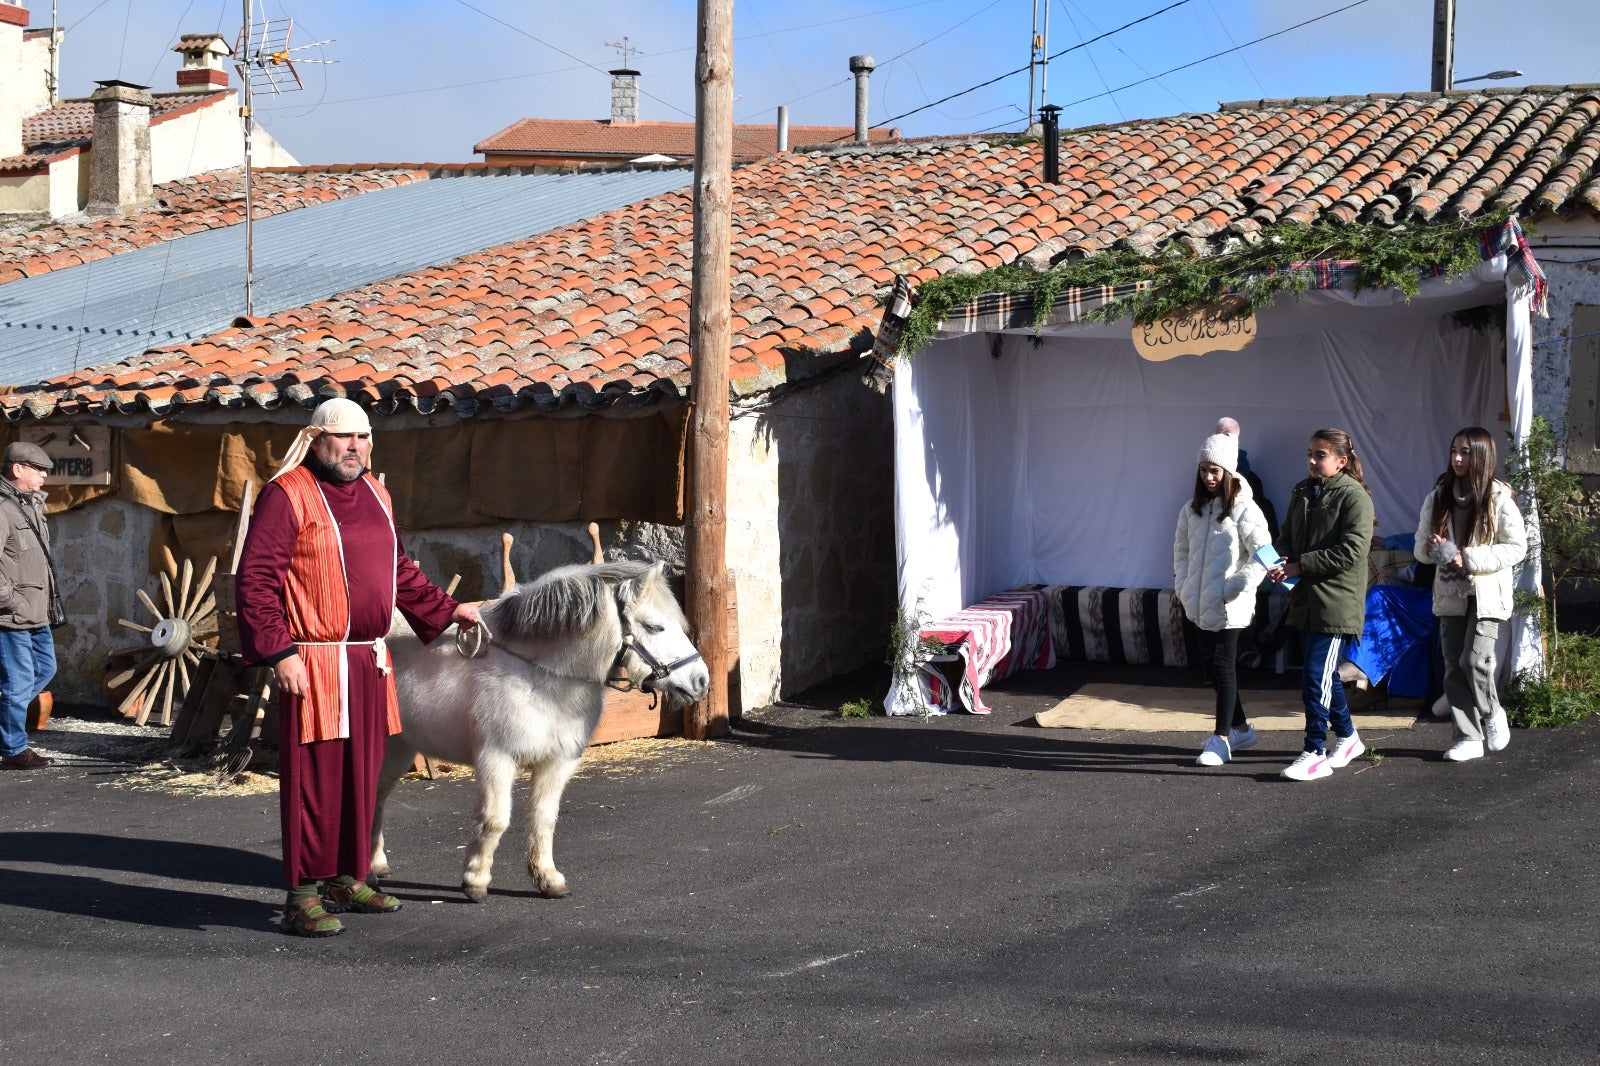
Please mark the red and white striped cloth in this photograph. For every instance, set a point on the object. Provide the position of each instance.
(991, 640)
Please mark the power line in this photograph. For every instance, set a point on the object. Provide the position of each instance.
(1019, 70)
(1216, 55)
(898, 56)
(563, 51)
(430, 89)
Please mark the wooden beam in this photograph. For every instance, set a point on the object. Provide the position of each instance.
(709, 329)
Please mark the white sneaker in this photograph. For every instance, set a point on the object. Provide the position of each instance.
(1462, 750)
(1308, 766)
(1344, 750)
(1240, 739)
(1441, 707)
(1497, 731)
(1215, 752)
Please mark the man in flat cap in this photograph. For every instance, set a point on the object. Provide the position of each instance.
(29, 601)
(320, 576)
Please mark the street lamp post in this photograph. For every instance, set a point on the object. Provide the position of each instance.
(1496, 75)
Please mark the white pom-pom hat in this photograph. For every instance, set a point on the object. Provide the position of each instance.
(1222, 447)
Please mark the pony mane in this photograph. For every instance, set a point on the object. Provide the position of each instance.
(568, 600)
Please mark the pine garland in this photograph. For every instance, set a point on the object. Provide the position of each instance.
(1396, 258)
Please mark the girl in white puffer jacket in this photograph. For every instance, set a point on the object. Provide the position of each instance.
(1215, 575)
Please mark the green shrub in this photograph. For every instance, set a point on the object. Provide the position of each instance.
(1567, 691)
(1563, 538)
(856, 709)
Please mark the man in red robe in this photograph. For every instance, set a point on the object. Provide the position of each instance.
(319, 578)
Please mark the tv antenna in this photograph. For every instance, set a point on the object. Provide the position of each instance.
(265, 60)
(628, 51)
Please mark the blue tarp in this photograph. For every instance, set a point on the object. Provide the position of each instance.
(1397, 642)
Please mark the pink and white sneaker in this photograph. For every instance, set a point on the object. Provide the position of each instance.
(1344, 750)
(1309, 766)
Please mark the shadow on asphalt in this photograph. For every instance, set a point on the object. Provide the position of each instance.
(143, 904)
(963, 740)
(896, 742)
(426, 892)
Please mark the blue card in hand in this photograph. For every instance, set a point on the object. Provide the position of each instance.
(1268, 556)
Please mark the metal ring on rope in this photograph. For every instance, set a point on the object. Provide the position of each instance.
(480, 640)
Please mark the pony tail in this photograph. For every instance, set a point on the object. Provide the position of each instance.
(1354, 469)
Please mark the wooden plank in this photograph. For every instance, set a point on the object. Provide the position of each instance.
(193, 700)
(227, 615)
(628, 716)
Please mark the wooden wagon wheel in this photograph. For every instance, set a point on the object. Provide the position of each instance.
(183, 624)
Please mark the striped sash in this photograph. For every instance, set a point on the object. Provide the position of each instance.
(318, 610)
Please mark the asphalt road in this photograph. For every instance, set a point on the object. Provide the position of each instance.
(821, 890)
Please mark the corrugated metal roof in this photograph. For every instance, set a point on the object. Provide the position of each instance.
(189, 287)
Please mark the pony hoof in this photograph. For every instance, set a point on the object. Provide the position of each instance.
(555, 893)
(476, 895)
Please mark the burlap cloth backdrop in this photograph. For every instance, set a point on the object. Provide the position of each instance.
(472, 473)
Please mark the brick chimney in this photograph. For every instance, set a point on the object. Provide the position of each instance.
(624, 97)
(13, 21)
(119, 157)
(202, 70)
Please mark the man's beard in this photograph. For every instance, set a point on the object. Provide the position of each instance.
(333, 472)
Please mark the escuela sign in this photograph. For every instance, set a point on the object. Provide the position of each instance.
(1224, 327)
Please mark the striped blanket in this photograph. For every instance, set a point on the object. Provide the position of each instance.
(986, 642)
(1099, 624)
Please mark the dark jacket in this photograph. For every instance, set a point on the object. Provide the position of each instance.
(27, 584)
(1327, 529)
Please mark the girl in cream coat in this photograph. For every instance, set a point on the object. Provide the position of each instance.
(1471, 527)
(1215, 575)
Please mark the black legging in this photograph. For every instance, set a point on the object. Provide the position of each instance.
(1219, 660)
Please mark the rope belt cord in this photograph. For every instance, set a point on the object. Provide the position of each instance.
(380, 650)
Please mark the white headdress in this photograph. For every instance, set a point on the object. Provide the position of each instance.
(331, 416)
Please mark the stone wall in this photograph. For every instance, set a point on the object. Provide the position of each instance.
(1566, 356)
(102, 553)
(811, 536)
(1571, 284)
(810, 541)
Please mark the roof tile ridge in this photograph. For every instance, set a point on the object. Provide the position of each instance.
(1442, 172)
(1563, 188)
(1495, 161)
(1279, 191)
(1396, 150)
(1561, 138)
(1321, 181)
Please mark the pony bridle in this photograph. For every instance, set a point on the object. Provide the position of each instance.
(476, 642)
(659, 671)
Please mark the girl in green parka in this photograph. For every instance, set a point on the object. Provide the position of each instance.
(1327, 532)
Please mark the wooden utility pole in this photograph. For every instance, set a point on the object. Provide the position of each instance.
(1444, 45)
(709, 327)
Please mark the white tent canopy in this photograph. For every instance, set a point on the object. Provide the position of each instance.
(1064, 459)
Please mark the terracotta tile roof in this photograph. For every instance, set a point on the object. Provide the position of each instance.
(206, 201)
(601, 137)
(598, 312)
(69, 125)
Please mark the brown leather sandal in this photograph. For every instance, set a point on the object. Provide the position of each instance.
(358, 897)
(308, 917)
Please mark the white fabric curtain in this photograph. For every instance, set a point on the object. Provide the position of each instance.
(1521, 646)
(1065, 460)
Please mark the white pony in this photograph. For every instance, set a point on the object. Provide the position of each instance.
(530, 695)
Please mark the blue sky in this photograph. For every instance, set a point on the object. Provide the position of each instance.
(423, 80)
